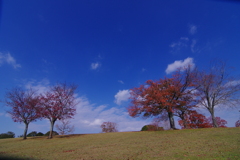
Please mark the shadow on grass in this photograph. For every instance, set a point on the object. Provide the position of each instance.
(8, 157)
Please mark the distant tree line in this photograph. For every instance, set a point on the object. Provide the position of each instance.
(9, 134)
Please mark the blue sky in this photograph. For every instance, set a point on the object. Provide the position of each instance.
(108, 47)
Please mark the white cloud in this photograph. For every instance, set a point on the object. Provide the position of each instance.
(192, 29)
(40, 87)
(179, 64)
(96, 65)
(232, 83)
(89, 118)
(121, 96)
(120, 81)
(7, 58)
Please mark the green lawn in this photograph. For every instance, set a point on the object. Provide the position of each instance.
(209, 143)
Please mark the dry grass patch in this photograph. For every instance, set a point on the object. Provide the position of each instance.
(219, 143)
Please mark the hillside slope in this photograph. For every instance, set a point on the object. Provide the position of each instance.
(211, 143)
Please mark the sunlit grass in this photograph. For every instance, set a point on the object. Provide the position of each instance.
(211, 143)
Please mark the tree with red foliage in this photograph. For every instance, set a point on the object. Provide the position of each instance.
(220, 122)
(109, 127)
(194, 120)
(164, 96)
(237, 124)
(58, 103)
(24, 106)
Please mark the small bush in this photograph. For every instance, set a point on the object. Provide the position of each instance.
(152, 128)
(9, 134)
(39, 134)
(54, 133)
(32, 134)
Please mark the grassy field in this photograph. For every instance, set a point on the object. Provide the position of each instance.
(210, 143)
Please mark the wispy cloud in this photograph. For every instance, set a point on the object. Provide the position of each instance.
(232, 83)
(182, 43)
(192, 29)
(9, 59)
(40, 87)
(120, 81)
(95, 66)
(144, 69)
(194, 42)
(179, 64)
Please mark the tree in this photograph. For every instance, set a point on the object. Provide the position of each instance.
(220, 122)
(58, 103)
(217, 88)
(237, 124)
(65, 127)
(169, 95)
(162, 121)
(109, 127)
(23, 106)
(193, 119)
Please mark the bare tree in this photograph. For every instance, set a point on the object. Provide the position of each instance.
(109, 127)
(23, 106)
(217, 88)
(65, 127)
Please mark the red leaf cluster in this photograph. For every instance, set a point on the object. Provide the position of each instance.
(237, 124)
(193, 119)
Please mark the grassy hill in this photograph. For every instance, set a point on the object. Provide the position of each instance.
(209, 143)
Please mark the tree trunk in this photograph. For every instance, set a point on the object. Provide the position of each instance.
(214, 122)
(171, 120)
(25, 131)
(51, 128)
(185, 124)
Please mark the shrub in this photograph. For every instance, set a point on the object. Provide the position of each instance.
(32, 134)
(9, 134)
(54, 133)
(39, 134)
(151, 128)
